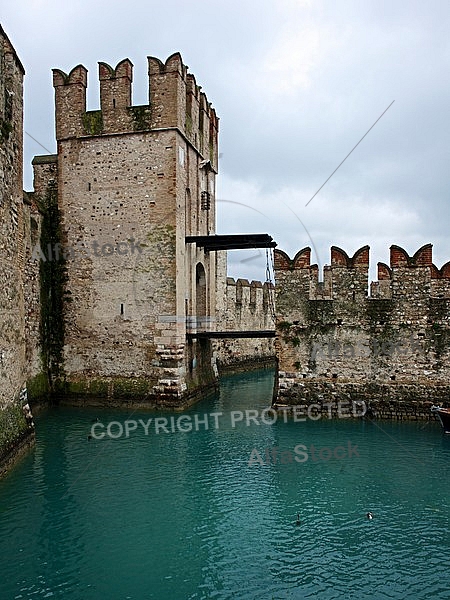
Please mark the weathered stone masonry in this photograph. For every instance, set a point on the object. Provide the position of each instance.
(18, 317)
(336, 342)
(132, 183)
(243, 306)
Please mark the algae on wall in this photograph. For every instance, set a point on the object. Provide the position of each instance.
(53, 278)
(12, 426)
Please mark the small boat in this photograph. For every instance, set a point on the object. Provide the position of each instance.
(443, 415)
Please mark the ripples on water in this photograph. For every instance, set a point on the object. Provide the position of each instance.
(183, 515)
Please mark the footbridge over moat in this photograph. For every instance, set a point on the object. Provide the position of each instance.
(211, 243)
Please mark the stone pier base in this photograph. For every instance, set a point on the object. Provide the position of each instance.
(394, 401)
(13, 453)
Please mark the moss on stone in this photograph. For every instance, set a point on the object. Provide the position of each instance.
(440, 340)
(379, 311)
(320, 315)
(99, 388)
(87, 387)
(53, 279)
(76, 387)
(37, 388)
(141, 116)
(284, 325)
(117, 387)
(93, 122)
(12, 426)
(130, 388)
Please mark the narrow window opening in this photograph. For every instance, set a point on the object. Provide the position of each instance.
(114, 103)
(89, 187)
(121, 309)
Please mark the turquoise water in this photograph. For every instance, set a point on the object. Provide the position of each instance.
(182, 515)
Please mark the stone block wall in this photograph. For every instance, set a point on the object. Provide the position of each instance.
(39, 256)
(19, 314)
(335, 340)
(36, 380)
(243, 306)
(12, 342)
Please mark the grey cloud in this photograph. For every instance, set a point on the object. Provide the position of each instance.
(296, 84)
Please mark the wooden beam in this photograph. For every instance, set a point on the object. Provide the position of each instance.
(267, 333)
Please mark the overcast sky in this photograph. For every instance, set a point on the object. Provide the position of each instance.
(296, 84)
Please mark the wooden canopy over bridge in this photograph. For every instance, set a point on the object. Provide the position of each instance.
(232, 241)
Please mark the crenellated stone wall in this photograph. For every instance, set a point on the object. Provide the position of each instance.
(335, 341)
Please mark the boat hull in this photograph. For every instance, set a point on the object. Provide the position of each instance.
(443, 414)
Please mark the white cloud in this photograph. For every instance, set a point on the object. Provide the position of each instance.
(290, 64)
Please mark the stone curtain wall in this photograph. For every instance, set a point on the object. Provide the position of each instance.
(44, 299)
(243, 306)
(336, 341)
(37, 384)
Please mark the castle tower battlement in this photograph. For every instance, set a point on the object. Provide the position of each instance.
(70, 101)
(175, 102)
(411, 276)
(243, 296)
(346, 277)
(115, 95)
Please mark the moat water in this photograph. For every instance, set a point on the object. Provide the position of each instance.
(182, 514)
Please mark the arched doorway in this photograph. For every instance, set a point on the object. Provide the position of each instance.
(200, 296)
(200, 365)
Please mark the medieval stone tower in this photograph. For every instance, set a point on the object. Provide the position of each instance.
(132, 183)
